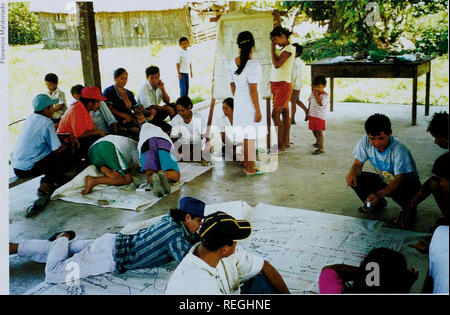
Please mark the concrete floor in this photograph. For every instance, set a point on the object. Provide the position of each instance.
(300, 181)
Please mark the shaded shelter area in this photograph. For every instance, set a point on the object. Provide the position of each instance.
(301, 180)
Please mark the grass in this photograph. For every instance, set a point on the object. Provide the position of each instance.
(29, 64)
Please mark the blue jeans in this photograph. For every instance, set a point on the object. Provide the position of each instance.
(184, 84)
(258, 285)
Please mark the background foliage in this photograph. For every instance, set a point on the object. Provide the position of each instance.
(23, 25)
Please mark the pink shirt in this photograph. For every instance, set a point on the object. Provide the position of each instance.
(330, 282)
(76, 120)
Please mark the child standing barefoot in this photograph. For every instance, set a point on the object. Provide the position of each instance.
(318, 104)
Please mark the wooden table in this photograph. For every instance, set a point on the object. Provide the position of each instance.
(362, 69)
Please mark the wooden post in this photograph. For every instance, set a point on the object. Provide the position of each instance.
(427, 91)
(88, 44)
(268, 123)
(414, 102)
(331, 93)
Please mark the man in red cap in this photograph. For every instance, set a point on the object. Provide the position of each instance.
(77, 120)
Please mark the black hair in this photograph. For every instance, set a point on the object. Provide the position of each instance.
(279, 30)
(320, 79)
(440, 166)
(182, 39)
(298, 48)
(180, 215)
(245, 42)
(394, 275)
(118, 72)
(215, 239)
(439, 125)
(76, 89)
(86, 101)
(230, 102)
(184, 101)
(376, 124)
(51, 77)
(151, 71)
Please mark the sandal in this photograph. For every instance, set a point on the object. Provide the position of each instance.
(318, 151)
(257, 173)
(38, 206)
(71, 234)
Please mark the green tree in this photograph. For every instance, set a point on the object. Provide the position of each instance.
(23, 25)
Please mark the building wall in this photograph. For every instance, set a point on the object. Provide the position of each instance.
(118, 29)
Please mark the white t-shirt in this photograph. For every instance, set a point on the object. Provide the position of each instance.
(283, 73)
(224, 125)
(296, 74)
(148, 96)
(193, 276)
(148, 131)
(188, 133)
(184, 59)
(439, 259)
(61, 97)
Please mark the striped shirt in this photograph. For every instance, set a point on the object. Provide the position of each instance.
(159, 243)
(315, 110)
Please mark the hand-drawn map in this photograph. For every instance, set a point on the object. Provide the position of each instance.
(298, 243)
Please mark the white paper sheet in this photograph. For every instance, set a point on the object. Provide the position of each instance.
(298, 243)
(123, 197)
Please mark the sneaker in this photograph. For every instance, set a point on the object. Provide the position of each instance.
(158, 190)
(164, 182)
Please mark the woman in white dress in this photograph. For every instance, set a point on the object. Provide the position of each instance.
(245, 74)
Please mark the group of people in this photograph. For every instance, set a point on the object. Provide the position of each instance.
(115, 132)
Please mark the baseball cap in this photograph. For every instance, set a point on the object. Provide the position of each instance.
(42, 101)
(221, 225)
(92, 92)
(193, 206)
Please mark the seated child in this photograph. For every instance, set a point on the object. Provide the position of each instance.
(188, 132)
(51, 81)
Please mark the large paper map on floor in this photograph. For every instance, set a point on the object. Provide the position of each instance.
(297, 242)
(122, 197)
(260, 24)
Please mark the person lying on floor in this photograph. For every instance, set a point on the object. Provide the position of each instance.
(382, 271)
(168, 239)
(114, 156)
(157, 158)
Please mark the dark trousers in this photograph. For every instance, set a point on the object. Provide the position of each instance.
(258, 285)
(369, 183)
(184, 84)
(53, 166)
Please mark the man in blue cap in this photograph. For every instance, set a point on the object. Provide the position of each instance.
(39, 150)
(170, 238)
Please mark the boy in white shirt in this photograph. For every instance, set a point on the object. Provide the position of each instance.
(51, 81)
(184, 66)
